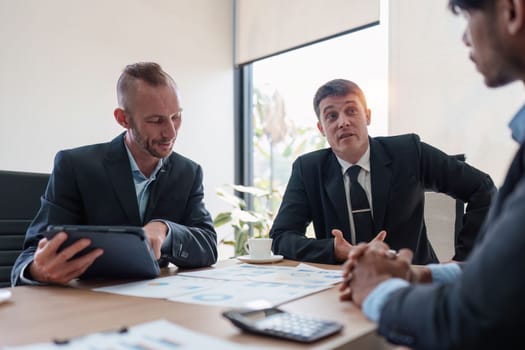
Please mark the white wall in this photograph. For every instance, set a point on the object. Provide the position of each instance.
(436, 92)
(60, 59)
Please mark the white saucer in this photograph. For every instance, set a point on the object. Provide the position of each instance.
(4, 295)
(249, 259)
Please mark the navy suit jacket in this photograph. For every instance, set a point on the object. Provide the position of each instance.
(402, 169)
(93, 185)
(484, 307)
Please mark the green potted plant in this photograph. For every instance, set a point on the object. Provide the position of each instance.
(241, 218)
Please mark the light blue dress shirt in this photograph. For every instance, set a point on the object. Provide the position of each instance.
(142, 183)
(517, 125)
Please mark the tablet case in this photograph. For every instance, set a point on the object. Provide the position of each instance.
(127, 252)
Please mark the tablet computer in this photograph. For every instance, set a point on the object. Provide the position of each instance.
(127, 252)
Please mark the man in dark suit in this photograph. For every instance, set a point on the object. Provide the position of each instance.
(134, 180)
(478, 304)
(393, 173)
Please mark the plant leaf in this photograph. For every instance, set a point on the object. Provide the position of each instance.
(222, 218)
(244, 216)
(251, 190)
(230, 198)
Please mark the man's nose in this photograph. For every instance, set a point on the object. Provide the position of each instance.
(343, 120)
(169, 130)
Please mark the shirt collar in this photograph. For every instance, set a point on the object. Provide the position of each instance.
(517, 126)
(135, 168)
(363, 162)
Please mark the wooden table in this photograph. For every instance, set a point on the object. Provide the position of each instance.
(42, 314)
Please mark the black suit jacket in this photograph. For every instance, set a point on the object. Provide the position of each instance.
(484, 307)
(402, 168)
(93, 185)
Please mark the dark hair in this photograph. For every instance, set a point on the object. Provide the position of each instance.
(456, 6)
(149, 72)
(340, 88)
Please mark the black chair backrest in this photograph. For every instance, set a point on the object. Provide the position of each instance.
(20, 194)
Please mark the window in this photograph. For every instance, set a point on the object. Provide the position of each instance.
(283, 123)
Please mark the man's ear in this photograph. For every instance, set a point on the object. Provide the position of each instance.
(121, 118)
(514, 15)
(368, 116)
(320, 127)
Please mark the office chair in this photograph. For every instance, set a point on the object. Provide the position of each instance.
(20, 194)
(443, 215)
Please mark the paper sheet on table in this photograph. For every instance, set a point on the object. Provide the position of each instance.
(241, 285)
(301, 274)
(162, 287)
(251, 294)
(159, 335)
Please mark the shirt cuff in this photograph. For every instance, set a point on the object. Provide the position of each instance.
(444, 272)
(27, 281)
(373, 303)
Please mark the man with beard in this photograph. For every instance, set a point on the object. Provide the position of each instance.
(134, 180)
(478, 304)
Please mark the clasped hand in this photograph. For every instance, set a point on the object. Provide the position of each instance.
(368, 265)
(342, 247)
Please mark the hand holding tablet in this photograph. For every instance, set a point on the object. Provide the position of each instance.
(127, 253)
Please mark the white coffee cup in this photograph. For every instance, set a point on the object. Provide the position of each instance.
(259, 248)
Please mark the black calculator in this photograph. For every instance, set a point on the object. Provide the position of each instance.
(278, 323)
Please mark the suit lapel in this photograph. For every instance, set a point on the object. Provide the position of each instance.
(381, 176)
(119, 174)
(335, 191)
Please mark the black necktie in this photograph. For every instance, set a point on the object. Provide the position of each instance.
(360, 207)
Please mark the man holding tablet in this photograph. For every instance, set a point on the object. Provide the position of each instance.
(134, 180)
